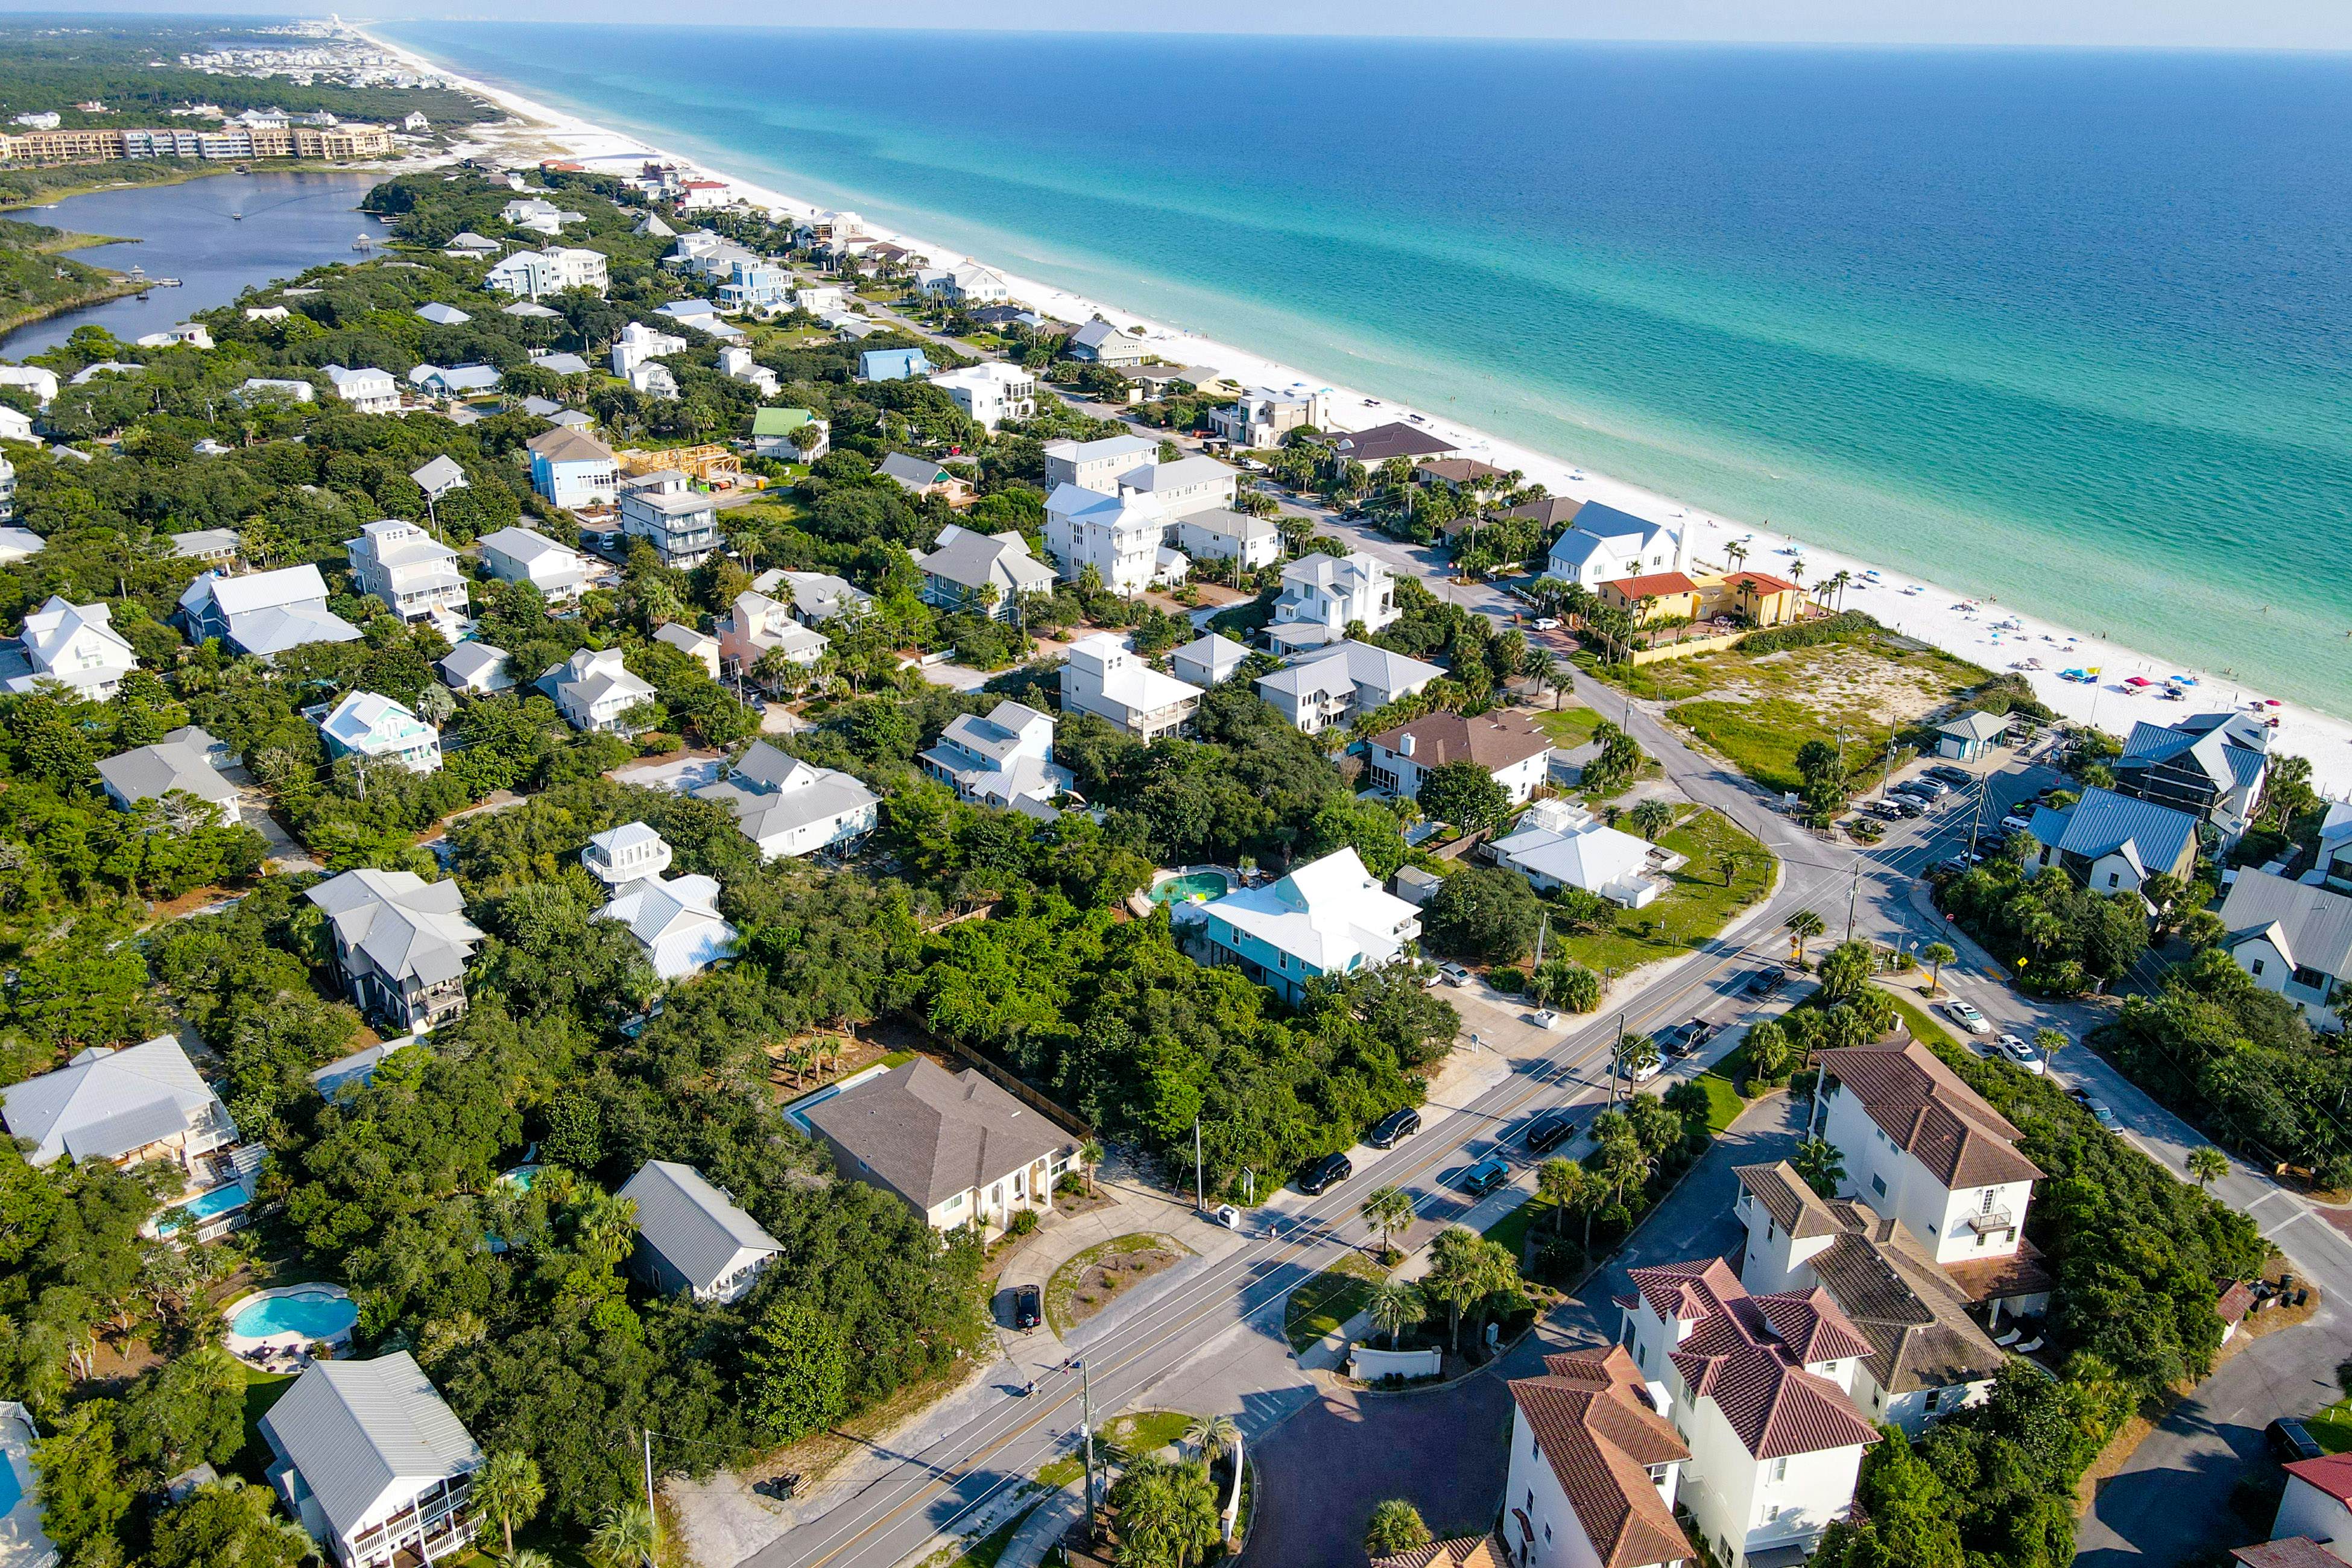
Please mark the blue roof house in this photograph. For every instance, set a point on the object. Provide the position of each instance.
(892, 365)
(2112, 843)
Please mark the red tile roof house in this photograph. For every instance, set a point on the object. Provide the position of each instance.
(1594, 1468)
(2317, 1503)
(1761, 1389)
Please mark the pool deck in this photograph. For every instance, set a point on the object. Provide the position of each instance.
(23, 1543)
(251, 1350)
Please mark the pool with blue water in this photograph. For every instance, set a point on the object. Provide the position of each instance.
(313, 1314)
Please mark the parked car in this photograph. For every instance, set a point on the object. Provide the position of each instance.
(1929, 784)
(1028, 1306)
(1767, 983)
(1326, 1174)
(1547, 623)
(1484, 1177)
(1966, 1016)
(1642, 1072)
(1453, 973)
(2103, 1114)
(2013, 823)
(2291, 1440)
(1906, 805)
(1959, 778)
(2017, 1050)
(1947, 869)
(1393, 1129)
(1548, 1130)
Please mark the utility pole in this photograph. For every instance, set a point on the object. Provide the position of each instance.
(1087, 1431)
(1886, 773)
(1541, 931)
(1852, 893)
(1616, 1055)
(649, 1475)
(1199, 1201)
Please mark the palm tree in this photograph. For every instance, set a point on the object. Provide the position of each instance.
(527, 1557)
(1652, 818)
(1735, 553)
(1388, 1210)
(1817, 1160)
(1636, 1054)
(626, 1536)
(2208, 1164)
(1802, 927)
(1211, 1436)
(1459, 1274)
(1727, 862)
(1938, 954)
(1091, 1159)
(2051, 1041)
(608, 1224)
(508, 1489)
(1396, 1307)
(1566, 1185)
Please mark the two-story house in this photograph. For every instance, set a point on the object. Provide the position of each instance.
(1329, 917)
(414, 574)
(2294, 938)
(2211, 766)
(759, 625)
(1595, 1470)
(184, 760)
(367, 389)
(1504, 745)
(990, 392)
(372, 1464)
(984, 573)
(594, 689)
(570, 468)
(693, 1239)
(1262, 417)
(522, 556)
(787, 807)
(1103, 675)
(264, 612)
(73, 645)
(1004, 759)
(666, 511)
(129, 1106)
(1346, 680)
(1118, 535)
(1601, 544)
(364, 724)
(2113, 843)
(1096, 465)
(401, 944)
(1759, 1387)
(1323, 595)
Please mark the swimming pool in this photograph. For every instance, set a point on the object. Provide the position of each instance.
(319, 1314)
(520, 1177)
(1192, 885)
(11, 1491)
(220, 1200)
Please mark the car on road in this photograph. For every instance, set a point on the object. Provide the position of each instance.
(1642, 1072)
(1685, 1040)
(1393, 1129)
(2017, 1050)
(1966, 1016)
(1547, 623)
(1326, 1174)
(1547, 1131)
(1028, 1306)
(2103, 1114)
(1767, 983)
(2291, 1440)
(1484, 1177)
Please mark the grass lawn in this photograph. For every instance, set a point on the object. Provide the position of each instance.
(1061, 1292)
(262, 1390)
(1318, 1306)
(1722, 1102)
(2332, 1427)
(1570, 726)
(1061, 1472)
(983, 1553)
(1694, 908)
(1511, 1230)
(1923, 1023)
(1147, 1431)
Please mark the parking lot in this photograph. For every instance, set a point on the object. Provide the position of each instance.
(1916, 845)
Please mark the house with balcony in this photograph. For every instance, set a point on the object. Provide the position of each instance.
(1504, 745)
(126, 1107)
(984, 573)
(2113, 843)
(364, 724)
(1218, 533)
(522, 556)
(1344, 682)
(1103, 675)
(75, 646)
(2332, 868)
(2294, 938)
(788, 807)
(1329, 917)
(1921, 1146)
(638, 345)
(1760, 1388)
(1118, 535)
(371, 1462)
(692, 1237)
(528, 274)
(990, 392)
(759, 625)
(1601, 544)
(1262, 417)
(367, 389)
(572, 469)
(416, 574)
(263, 613)
(1928, 1356)
(594, 689)
(2211, 766)
(401, 944)
(1323, 596)
(1595, 1470)
(816, 599)
(1098, 465)
(1003, 759)
(675, 921)
(667, 512)
(953, 1146)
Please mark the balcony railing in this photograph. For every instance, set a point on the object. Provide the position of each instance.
(1988, 1224)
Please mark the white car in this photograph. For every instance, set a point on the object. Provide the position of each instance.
(2018, 1051)
(1967, 1017)
(1547, 623)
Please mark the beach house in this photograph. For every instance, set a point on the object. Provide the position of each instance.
(1099, 342)
(178, 762)
(371, 1462)
(75, 646)
(1594, 1472)
(1103, 675)
(263, 613)
(595, 689)
(1005, 759)
(1381, 443)
(126, 1107)
(1329, 917)
(1222, 535)
(364, 724)
(476, 667)
(1560, 844)
(401, 944)
(816, 599)
(638, 344)
(758, 625)
(665, 509)
(1601, 544)
(1262, 417)
(990, 392)
(570, 468)
(2294, 938)
(1096, 465)
(953, 1146)
(892, 365)
(523, 555)
(692, 1239)
(367, 389)
(528, 274)
(407, 569)
(788, 807)
(1119, 536)
(775, 433)
(1346, 680)
(1504, 745)
(2211, 766)
(699, 646)
(1323, 596)
(1208, 660)
(2113, 843)
(675, 921)
(984, 573)
(2316, 1507)
(437, 477)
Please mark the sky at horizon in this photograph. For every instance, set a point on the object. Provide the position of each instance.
(2163, 24)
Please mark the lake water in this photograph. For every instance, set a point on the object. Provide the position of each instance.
(190, 231)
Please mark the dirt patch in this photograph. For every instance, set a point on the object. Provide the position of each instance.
(1088, 1283)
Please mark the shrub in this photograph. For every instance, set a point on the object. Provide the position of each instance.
(1023, 1223)
(1807, 634)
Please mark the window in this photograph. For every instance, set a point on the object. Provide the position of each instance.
(1531, 1500)
(1878, 1186)
(2257, 968)
(1781, 1468)
(1534, 1448)
(1546, 1535)
(1984, 1200)
(1771, 1511)
(1935, 1397)
(2114, 877)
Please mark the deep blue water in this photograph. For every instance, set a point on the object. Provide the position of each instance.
(2070, 329)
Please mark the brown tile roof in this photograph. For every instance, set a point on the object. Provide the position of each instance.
(1794, 1207)
(1922, 1105)
(1915, 1318)
(1548, 511)
(928, 1134)
(1749, 1355)
(2235, 1302)
(1468, 1551)
(1597, 1429)
(1656, 585)
(1493, 740)
(1460, 470)
(2294, 1552)
(2004, 1279)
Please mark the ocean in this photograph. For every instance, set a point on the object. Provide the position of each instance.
(2067, 329)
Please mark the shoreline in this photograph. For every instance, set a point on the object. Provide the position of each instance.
(1984, 633)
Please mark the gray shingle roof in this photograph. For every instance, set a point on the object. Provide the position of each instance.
(928, 1133)
(104, 1104)
(696, 1227)
(147, 772)
(405, 926)
(352, 1428)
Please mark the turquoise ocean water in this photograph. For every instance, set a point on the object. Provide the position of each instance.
(2070, 329)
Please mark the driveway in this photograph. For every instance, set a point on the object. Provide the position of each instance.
(1444, 1449)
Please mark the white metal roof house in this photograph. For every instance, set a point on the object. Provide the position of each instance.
(2294, 938)
(367, 389)
(691, 1236)
(264, 612)
(1099, 342)
(1005, 759)
(151, 772)
(1207, 659)
(1322, 595)
(141, 1102)
(759, 625)
(1557, 843)
(629, 853)
(74, 644)
(442, 315)
(990, 392)
(1331, 684)
(817, 596)
(1098, 465)
(593, 688)
(1103, 675)
(521, 555)
(1327, 917)
(1122, 537)
(365, 724)
(1601, 544)
(476, 667)
(785, 806)
(411, 572)
(438, 477)
(698, 646)
(401, 943)
(675, 920)
(1220, 533)
(372, 1463)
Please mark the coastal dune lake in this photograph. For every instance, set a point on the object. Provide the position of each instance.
(193, 231)
(2020, 321)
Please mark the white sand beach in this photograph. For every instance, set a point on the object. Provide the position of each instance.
(1987, 632)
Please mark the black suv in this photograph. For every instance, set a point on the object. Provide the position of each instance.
(2291, 1440)
(1959, 778)
(1326, 1174)
(1766, 981)
(1549, 1132)
(1393, 1129)
(1028, 1307)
